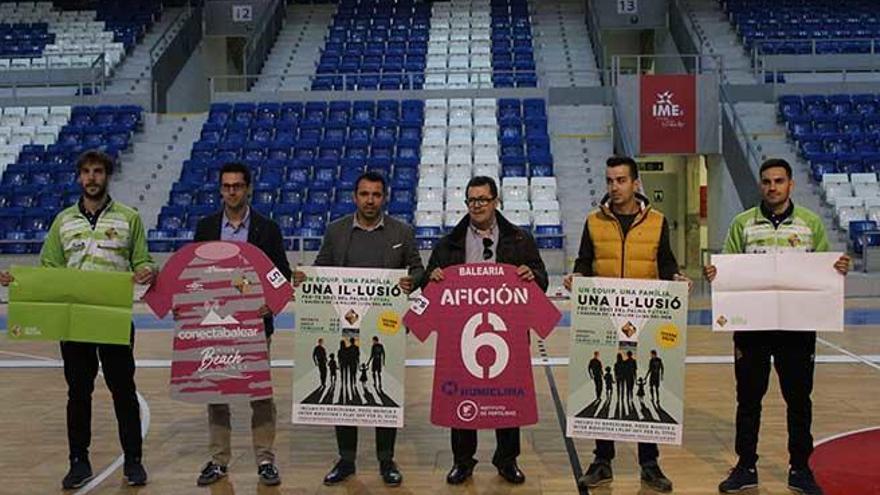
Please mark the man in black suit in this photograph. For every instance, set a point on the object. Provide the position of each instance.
(368, 239)
(238, 222)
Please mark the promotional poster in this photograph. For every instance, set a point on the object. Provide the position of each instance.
(627, 355)
(349, 347)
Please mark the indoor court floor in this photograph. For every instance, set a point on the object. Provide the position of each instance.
(33, 449)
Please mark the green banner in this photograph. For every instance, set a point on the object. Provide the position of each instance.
(67, 304)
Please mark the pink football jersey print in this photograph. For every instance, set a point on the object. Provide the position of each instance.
(482, 314)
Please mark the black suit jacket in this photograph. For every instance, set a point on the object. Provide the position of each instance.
(263, 233)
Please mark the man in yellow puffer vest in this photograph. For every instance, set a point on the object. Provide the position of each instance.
(625, 238)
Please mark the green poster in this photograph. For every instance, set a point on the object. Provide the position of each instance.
(626, 367)
(349, 347)
(68, 304)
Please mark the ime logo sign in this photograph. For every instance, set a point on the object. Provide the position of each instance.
(665, 107)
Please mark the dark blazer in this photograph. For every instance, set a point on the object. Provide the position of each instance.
(515, 247)
(334, 247)
(263, 233)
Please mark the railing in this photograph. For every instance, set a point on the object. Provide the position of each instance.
(812, 47)
(170, 33)
(49, 75)
(815, 46)
(684, 6)
(752, 154)
(257, 47)
(628, 145)
(477, 79)
(598, 44)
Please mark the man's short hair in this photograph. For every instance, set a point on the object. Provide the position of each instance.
(616, 161)
(482, 180)
(95, 156)
(776, 162)
(236, 168)
(371, 177)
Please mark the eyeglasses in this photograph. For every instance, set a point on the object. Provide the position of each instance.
(474, 202)
(487, 248)
(238, 186)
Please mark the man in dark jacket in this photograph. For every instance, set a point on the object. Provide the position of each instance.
(238, 222)
(368, 239)
(484, 235)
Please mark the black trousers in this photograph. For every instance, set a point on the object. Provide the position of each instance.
(794, 359)
(80, 370)
(648, 452)
(464, 446)
(347, 443)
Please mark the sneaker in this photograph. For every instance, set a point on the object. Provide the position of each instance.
(134, 473)
(268, 474)
(599, 473)
(802, 481)
(739, 478)
(655, 479)
(79, 474)
(211, 473)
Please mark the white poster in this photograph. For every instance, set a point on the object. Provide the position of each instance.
(783, 291)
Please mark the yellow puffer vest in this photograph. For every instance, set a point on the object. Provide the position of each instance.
(632, 257)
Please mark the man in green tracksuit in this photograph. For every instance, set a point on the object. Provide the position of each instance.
(98, 234)
(776, 225)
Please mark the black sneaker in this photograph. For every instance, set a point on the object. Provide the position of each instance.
(134, 473)
(739, 478)
(655, 479)
(211, 473)
(79, 474)
(802, 481)
(599, 473)
(268, 474)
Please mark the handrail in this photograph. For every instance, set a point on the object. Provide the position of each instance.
(629, 147)
(685, 6)
(181, 18)
(752, 154)
(595, 34)
(350, 80)
(409, 75)
(758, 56)
(263, 21)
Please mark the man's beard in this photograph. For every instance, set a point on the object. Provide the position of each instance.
(102, 191)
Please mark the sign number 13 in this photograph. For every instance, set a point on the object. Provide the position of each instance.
(627, 7)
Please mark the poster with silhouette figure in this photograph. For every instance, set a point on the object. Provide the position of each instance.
(350, 347)
(626, 363)
(216, 289)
